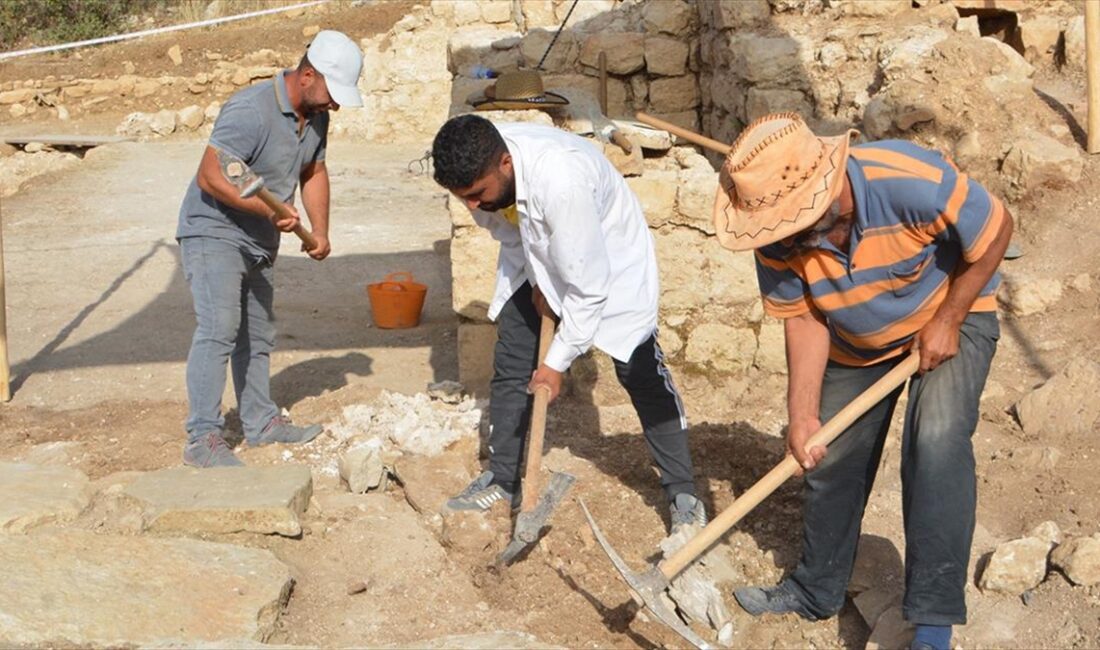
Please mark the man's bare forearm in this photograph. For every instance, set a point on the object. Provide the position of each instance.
(807, 340)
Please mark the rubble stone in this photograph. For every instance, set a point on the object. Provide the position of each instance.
(628, 164)
(225, 500)
(191, 117)
(667, 17)
(1039, 35)
(665, 56)
(766, 60)
(1075, 43)
(695, 198)
(1026, 296)
(762, 101)
(1065, 404)
(891, 630)
(77, 588)
(40, 494)
(175, 55)
(734, 14)
(1016, 566)
(1079, 559)
(562, 57)
(873, 603)
(968, 25)
(361, 466)
(1041, 160)
(877, 565)
(674, 94)
(625, 51)
(163, 122)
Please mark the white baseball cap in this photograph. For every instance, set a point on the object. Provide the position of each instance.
(339, 60)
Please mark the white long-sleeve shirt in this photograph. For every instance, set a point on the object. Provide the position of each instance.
(582, 239)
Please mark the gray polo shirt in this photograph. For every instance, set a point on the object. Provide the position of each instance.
(259, 126)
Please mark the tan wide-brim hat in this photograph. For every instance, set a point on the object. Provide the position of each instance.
(514, 91)
(778, 179)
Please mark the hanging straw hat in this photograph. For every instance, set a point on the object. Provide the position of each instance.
(516, 90)
(778, 179)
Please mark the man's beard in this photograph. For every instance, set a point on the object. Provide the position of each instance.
(507, 198)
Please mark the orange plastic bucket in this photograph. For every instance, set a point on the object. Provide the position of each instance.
(396, 301)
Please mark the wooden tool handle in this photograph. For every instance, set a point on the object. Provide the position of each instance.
(5, 372)
(538, 426)
(752, 497)
(280, 208)
(1092, 68)
(690, 136)
(622, 141)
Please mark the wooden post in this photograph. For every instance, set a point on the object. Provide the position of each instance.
(1092, 67)
(5, 372)
(603, 82)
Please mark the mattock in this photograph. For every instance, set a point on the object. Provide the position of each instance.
(535, 510)
(250, 184)
(647, 586)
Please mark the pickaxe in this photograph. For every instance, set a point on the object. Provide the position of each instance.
(535, 511)
(646, 587)
(250, 184)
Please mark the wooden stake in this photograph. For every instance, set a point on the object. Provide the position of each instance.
(602, 62)
(5, 376)
(1092, 66)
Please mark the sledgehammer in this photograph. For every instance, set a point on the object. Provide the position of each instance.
(250, 184)
(647, 586)
(535, 511)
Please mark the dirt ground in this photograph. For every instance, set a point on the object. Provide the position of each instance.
(99, 323)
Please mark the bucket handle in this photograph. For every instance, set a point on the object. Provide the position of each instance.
(391, 286)
(399, 276)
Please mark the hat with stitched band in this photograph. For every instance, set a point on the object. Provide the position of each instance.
(778, 179)
(516, 90)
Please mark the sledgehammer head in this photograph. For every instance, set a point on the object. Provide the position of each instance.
(646, 588)
(240, 175)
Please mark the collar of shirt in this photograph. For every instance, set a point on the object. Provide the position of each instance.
(517, 169)
(282, 95)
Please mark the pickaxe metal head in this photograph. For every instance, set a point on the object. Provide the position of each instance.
(529, 524)
(237, 172)
(646, 588)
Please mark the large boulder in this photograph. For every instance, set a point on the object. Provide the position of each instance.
(668, 16)
(1037, 160)
(625, 51)
(76, 588)
(224, 499)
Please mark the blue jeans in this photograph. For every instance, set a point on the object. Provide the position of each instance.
(938, 481)
(233, 292)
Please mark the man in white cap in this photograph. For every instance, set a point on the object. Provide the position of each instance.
(865, 251)
(228, 245)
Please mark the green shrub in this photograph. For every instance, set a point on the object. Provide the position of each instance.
(46, 22)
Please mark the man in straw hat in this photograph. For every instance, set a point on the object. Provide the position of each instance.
(228, 244)
(865, 251)
(574, 244)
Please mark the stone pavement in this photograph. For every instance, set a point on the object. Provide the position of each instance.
(37, 494)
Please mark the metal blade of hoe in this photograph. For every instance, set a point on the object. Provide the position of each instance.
(530, 524)
(646, 587)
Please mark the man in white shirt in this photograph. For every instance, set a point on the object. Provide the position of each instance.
(574, 244)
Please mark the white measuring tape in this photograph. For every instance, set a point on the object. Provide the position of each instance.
(159, 30)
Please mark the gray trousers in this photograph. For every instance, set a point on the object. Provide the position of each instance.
(233, 293)
(937, 473)
(645, 378)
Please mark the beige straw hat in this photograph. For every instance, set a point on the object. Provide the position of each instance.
(778, 179)
(516, 90)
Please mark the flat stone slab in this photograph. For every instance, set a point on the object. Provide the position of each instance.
(224, 499)
(486, 641)
(76, 588)
(40, 494)
(67, 140)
